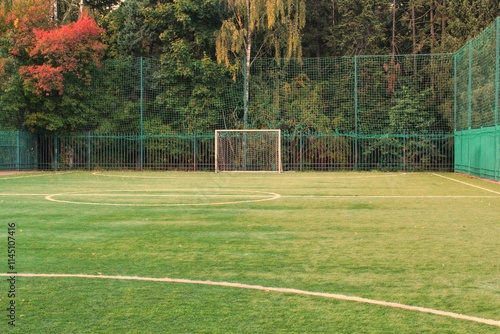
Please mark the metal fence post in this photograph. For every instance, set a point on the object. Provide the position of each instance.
(18, 153)
(141, 103)
(194, 151)
(36, 162)
(56, 153)
(455, 86)
(469, 92)
(355, 112)
(497, 67)
(301, 152)
(89, 152)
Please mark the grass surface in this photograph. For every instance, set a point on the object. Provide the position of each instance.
(417, 239)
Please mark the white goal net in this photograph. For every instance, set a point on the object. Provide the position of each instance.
(248, 151)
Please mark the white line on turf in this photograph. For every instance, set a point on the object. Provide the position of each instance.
(467, 184)
(137, 176)
(164, 195)
(35, 174)
(258, 198)
(24, 194)
(385, 196)
(117, 194)
(491, 322)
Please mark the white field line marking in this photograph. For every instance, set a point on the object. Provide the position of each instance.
(34, 175)
(266, 196)
(261, 198)
(167, 195)
(467, 184)
(24, 194)
(283, 290)
(385, 196)
(140, 176)
(255, 196)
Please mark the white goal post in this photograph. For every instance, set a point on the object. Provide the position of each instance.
(248, 151)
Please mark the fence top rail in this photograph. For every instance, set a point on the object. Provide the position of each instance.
(211, 135)
(249, 130)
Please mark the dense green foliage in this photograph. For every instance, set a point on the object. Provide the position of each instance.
(190, 86)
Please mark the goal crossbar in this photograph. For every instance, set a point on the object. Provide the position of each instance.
(248, 151)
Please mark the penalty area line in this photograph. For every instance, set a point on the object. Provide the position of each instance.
(268, 289)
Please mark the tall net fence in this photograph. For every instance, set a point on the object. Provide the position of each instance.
(394, 112)
(358, 113)
(477, 127)
(147, 96)
(361, 95)
(374, 95)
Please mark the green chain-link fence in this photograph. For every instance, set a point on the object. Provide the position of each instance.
(353, 113)
(477, 127)
(18, 151)
(362, 113)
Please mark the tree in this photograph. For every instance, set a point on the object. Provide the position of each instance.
(133, 35)
(17, 21)
(101, 6)
(319, 20)
(194, 92)
(411, 112)
(279, 22)
(68, 49)
(48, 68)
(466, 19)
(361, 27)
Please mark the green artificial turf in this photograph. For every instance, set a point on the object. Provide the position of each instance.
(418, 239)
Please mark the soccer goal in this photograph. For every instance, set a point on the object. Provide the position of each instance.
(248, 151)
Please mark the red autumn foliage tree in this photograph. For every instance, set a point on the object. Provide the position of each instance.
(21, 20)
(68, 49)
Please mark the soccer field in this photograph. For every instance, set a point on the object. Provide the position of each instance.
(176, 252)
